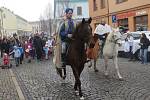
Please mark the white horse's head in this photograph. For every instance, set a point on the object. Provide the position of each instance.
(115, 37)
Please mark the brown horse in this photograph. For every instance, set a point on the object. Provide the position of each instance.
(93, 51)
(76, 53)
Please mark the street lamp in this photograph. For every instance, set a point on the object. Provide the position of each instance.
(108, 10)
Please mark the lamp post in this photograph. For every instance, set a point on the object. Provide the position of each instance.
(54, 9)
(108, 10)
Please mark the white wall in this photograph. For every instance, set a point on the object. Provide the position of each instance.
(74, 5)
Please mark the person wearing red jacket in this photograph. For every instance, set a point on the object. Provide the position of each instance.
(5, 59)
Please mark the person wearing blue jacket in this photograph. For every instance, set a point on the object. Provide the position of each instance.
(66, 29)
(17, 55)
(22, 53)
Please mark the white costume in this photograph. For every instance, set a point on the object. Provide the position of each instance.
(130, 40)
(126, 46)
(50, 43)
(102, 29)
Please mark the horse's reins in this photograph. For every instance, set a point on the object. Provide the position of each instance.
(115, 42)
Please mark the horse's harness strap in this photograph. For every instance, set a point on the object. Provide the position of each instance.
(115, 41)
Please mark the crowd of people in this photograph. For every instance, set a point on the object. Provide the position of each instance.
(29, 47)
(129, 46)
(103, 29)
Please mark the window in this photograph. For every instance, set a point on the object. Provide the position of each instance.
(94, 5)
(102, 4)
(141, 23)
(79, 10)
(123, 24)
(120, 1)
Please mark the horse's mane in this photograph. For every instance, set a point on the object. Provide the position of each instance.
(75, 33)
(110, 35)
(77, 26)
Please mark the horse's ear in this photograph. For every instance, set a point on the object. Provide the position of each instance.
(90, 20)
(83, 20)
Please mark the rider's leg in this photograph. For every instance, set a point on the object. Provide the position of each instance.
(95, 68)
(63, 58)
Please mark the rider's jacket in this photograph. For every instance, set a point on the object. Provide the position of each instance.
(67, 27)
(102, 31)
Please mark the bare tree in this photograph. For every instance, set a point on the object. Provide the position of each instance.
(43, 26)
(59, 6)
(46, 19)
(48, 14)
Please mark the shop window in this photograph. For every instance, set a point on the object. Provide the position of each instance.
(102, 4)
(141, 23)
(123, 24)
(79, 10)
(94, 5)
(120, 1)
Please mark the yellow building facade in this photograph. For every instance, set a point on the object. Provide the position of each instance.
(12, 23)
(131, 14)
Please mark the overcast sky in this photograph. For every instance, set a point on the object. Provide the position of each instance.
(28, 9)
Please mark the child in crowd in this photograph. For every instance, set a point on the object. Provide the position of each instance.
(46, 49)
(17, 55)
(28, 50)
(22, 53)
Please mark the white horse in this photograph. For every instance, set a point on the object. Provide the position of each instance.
(110, 50)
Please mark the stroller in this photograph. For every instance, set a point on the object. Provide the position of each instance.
(6, 61)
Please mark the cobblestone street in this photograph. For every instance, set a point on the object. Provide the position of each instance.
(7, 87)
(39, 81)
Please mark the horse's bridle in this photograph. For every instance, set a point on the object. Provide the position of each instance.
(115, 42)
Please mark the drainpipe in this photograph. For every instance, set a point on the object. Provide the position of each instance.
(108, 10)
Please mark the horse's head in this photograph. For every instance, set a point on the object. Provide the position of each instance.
(117, 37)
(84, 31)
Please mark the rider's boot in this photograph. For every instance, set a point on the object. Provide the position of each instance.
(59, 71)
(63, 56)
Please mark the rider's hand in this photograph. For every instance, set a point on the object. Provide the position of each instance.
(69, 35)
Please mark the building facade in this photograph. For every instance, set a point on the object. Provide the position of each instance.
(23, 26)
(130, 14)
(36, 27)
(1, 22)
(12, 23)
(9, 22)
(80, 7)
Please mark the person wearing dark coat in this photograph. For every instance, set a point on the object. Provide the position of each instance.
(38, 45)
(144, 43)
(5, 46)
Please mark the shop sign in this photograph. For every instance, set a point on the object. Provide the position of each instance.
(125, 15)
(143, 12)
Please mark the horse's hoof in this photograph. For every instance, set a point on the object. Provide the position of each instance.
(64, 77)
(77, 93)
(120, 78)
(96, 70)
(63, 81)
(82, 98)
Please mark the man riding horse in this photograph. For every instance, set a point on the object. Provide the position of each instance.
(66, 30)
(103, 30)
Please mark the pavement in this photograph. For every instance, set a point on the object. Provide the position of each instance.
(39, 81)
